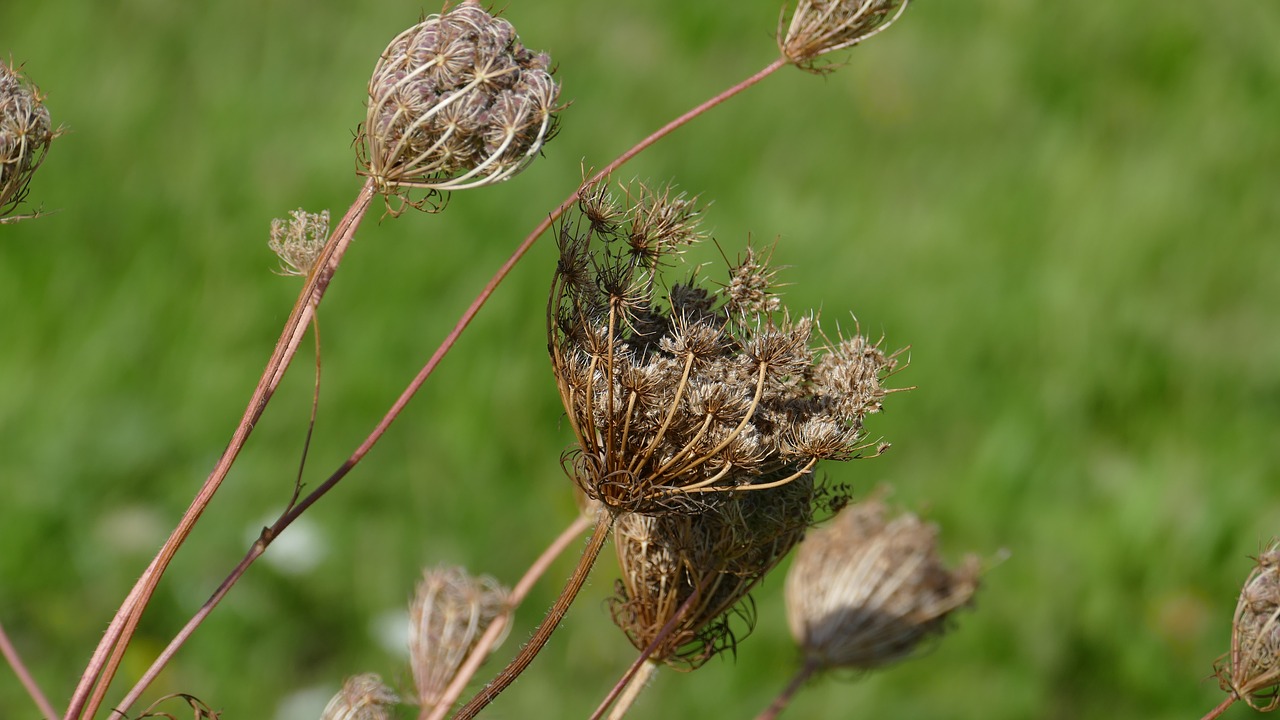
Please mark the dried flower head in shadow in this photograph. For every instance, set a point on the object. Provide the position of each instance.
(678, 394)
(362, 697)
(25, 134)
(865, 591)
(719, 555)
(456, 102)
(449, 613)
(1251, 671)
(299, 240)
(818, 27)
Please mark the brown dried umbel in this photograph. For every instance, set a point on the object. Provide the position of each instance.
(1251, 671)
(449, 613)
(25, 134)
(362, 697)
(864, 592)
(679, 395)
(818, 27)
(720, 555)
(456, 102)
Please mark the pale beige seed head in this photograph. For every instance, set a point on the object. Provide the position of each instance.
(25, 134)
(1251, 671)
(819, 27)
(450, 611)
(864, 591)
(298, 240)
(362, 697)
(456, 102)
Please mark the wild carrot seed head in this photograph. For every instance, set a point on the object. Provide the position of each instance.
(677, 394)
(864, 591)
(299, 240)
(362, 697)
(1251, 670)
(25, 134)
(456, 102)
(450, 611)
(818, 27)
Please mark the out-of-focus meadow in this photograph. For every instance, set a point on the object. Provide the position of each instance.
(1070, 212)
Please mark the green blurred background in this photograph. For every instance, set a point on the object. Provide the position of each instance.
(1069, 212)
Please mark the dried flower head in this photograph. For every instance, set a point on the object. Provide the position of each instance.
(25, 134)
(299, 240)
(678, 394)
(456, 102)
(864, 592)
(818, 27)
(1252, 669)
(720, 555)
(450, 611)
(362, 697)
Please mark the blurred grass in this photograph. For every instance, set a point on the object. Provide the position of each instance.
(1068, 212)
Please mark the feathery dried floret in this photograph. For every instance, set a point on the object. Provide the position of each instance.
(719, 555)
(456, 102)
(818, 27)
(299, 240)
(25, 134)
(362, 697)
(865, 591)
(681, 396)
(450, 611)
(1251, 671)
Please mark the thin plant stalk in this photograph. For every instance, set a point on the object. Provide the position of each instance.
(640, 665)
(110, 651)
(1221, 708)
(25, 677)
(271, 377)
(491, 634)
(637, 682)
(600, 533)
(780, 703)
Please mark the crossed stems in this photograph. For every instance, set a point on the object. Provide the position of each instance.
(106, 659)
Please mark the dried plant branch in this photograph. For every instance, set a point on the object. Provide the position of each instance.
(25, 677)
(802, 676)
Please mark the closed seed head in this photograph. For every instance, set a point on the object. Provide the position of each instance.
(456, 102)
(25, 134)
(818, 27)
(1251, 671)
(298, 240)
(450, 611)
(864, 591)
(362, 697)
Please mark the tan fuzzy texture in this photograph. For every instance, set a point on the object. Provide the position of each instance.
(819, 27)
(450, 611)
(25, 134)
(865, 591)
(677, 393)
(1251, 671)
(362, 697)
(456, 102)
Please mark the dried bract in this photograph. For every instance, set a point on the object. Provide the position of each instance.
(864, 592)
(677, 394)
(299, 240)
(362, 697)
(1252, 669)
(818, 27)
(449, 613)
(456, 102)
(25, 134)
(719, 555)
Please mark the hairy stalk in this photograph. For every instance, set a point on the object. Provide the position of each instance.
(101, 669)
(548, 626)
(491, 634)
(637, 682)
(25, 677)
(110, 651)
(784, 698)
(640, 667)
